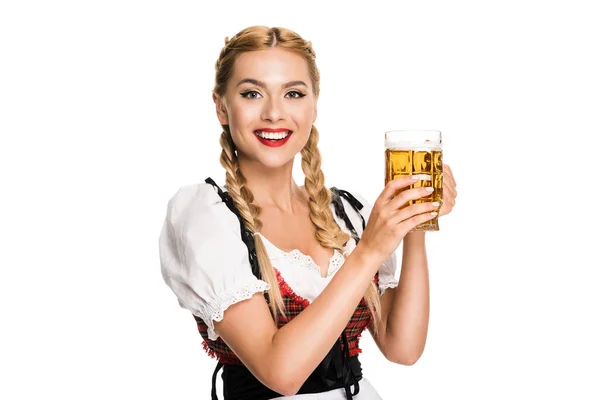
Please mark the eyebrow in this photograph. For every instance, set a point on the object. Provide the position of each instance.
(263, 85)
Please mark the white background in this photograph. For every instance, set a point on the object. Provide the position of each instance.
(105, 111)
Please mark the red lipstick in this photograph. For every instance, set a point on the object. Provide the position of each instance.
(273, 142)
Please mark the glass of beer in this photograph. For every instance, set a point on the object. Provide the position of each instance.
(416, 152)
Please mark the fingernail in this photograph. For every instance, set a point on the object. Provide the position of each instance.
(429, 189)
(414, 177)
(435, 204)
(433, 214)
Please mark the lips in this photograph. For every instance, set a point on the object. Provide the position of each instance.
(272, 129)
(273, 137)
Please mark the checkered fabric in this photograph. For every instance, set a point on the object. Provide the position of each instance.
(294, 305)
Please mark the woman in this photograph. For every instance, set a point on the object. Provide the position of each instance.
(282, 279)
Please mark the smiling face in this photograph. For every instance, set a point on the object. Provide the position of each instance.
(269, 106)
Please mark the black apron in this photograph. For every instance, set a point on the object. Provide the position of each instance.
(337, 370)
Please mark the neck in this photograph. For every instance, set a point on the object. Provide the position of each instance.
(273, 188)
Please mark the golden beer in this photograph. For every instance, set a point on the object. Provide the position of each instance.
(416, 153)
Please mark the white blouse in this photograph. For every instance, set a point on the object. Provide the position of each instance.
(205, 262)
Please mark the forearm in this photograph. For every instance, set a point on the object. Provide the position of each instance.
(308, 337)
(408, 318)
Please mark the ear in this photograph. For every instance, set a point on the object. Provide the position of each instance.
(221, 110)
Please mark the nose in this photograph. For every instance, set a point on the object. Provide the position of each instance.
(273, 110)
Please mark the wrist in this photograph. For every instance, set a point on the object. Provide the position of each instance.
(415, 236)
(367, 257)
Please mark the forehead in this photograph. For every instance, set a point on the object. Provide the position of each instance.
(272, 66)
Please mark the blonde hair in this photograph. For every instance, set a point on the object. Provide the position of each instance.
(328, 233)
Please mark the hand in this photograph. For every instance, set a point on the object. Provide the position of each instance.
(389, 222)
(449, 191)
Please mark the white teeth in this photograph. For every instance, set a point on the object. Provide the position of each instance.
(272, 135)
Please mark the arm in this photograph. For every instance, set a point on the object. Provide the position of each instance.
(206, 276)
(205, 263)
(283, 359)
(405, 309)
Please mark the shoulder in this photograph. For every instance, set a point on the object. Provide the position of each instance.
(355, 206)
(198, 224)
(353, 200)
(199, 205)
(203, 257)
(201, 195)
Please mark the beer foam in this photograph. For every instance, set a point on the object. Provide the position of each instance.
(406, 145)
(422, 140)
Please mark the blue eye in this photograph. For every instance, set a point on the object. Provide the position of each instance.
(296, 95)
(251, 94)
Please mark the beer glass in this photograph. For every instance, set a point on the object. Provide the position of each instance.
(416, 152)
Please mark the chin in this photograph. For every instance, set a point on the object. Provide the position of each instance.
(274, 162)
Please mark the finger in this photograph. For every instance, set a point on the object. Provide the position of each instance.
(448, 186)
(413, 222)
(447, 204)
(392, 187)
(448, 177)
(407, 195)
(448, 198)
(444, 209)
(449, 191)
(413, 210)
(448, 174)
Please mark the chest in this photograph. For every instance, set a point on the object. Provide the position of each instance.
(296, 234)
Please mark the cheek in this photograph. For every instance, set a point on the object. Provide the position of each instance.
(242, 115)
(304, 115)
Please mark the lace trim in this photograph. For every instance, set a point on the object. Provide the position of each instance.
(215, 312)
(383, 286)
(296, 257)
(302, 260)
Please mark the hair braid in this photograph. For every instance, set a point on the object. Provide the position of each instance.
(328, 233)
(243, 199)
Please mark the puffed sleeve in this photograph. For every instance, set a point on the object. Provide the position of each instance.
(203, 258)
(387, 270)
